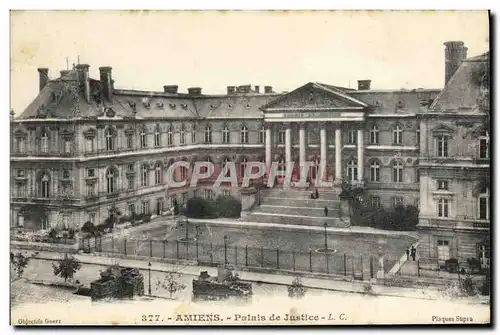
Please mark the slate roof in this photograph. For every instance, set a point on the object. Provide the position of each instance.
(462, 90)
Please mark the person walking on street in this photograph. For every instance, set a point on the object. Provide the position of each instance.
(413, 252)
(326, 211)
(408, 254)
(316, 193)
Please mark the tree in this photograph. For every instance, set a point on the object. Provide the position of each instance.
(20, 262)
(171, 283)
(66, 267)
(297, 289)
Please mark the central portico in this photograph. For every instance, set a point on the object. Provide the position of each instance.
(324, 114)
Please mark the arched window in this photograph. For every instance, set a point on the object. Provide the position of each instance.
(484, 204)
(44, 186)
(243, 166)
(182, 134)
(374, 135)
(170, 135)
(281, 136)
(397, 135)
(374, 171)
(111, 180)
(208, 134)
(397, 171)
(262, 135)
(44, 141)
(109, 134)
(244, 135)
(226, 135)
(157, 136)
(144, 138)
(144, 175)
(352, 170)
(158, 174)
(484, 145)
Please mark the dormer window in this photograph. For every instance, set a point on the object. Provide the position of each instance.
(311, 95)
(378, 103)
(212, 106)
(230, 106)
(184, 106)
(400, 104)
(66, 174)
(159, 105)
(248, 106)
(131, 104)
(145, 101)
(172, 106)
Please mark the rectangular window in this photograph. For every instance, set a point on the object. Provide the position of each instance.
(131, 208)
(351, 137)
(90, 173)
(442, 146)
(374, 137)
(20, 145)
(484, 208)
(442, 185)
(182, 137)
(67, 146)
(418, 138)
(130, 183)
(281, 137)
(90, 190)
(145, 207)
(262, 136)
(443, 208)
(483, 148)
(193, 137)
(397, 202)
(89, 144)
(92, 217)
(20, 173)
(375, 201)
(20, 190)
(130, 141)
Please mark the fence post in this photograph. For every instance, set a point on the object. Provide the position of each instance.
(327, 262)
(310, 261)
(211, 254)
(418, 267)
(235, 255)
(362, 272)
(277, 258)
(177, 247)
(187, 249)
(293, 259)
(345, 265)
(246, 255)
(261, 257)
(164, 248)
(112, 244)
(150, 248)
(371, 266)
(95, 243)
(352, 266)
(125, 245)
(100, 243)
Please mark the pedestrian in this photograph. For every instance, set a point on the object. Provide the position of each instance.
(408, 254)
(326, 211)
(316, 193)
(413, 252)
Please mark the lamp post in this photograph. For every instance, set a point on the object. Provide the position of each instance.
(196, 241)
(326, 244)
(186, 222)
(149, 278)
(225, 249)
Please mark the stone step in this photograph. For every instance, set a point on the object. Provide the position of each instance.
(296, 220)
(300, 194)
(294, 202)
(304, 211)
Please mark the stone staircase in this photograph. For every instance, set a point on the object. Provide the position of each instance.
(296, 207)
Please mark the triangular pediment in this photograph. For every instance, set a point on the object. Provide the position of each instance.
(314, 96)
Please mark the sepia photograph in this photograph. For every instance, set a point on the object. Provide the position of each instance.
(250, 167)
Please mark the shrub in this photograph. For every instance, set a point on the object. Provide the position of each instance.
(297, 289)
(146, 218)
(485, 286)
(20, 262)
(66, 267)
(88, 227)
(200, 208)
(467, 286)
(228, 207)
(124, 219)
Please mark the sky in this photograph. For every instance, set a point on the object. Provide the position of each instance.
(215, 49)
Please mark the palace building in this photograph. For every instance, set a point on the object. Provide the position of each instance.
(84, 150)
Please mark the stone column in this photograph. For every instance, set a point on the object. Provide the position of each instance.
(338, 154)
(288, 144)
(423, 137)
(268, 147)
(360, 155)
(322, 161)
(302, 146)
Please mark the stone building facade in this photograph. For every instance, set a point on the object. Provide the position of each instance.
(84, 150)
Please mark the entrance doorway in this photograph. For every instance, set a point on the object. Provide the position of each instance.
(443, 249)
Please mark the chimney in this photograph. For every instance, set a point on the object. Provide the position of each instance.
(454, 53)
(83, 80)
(43, 74)
(65, 73)
(194, 91)
(257, 89)
(244, 88)
(107, 82)
(170, 89)
(231, 89)
(268, 89)
(364, 85)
